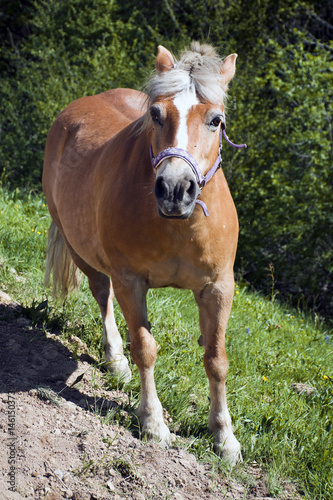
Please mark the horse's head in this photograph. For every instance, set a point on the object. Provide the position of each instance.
(186, 113)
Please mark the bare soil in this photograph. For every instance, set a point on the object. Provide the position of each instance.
(54, 447)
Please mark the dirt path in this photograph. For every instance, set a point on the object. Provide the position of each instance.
(62, 449)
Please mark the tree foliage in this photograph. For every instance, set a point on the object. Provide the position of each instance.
(280, 104)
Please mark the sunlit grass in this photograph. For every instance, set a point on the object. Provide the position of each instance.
(270, 347)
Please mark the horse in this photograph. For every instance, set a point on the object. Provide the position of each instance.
(138, 200)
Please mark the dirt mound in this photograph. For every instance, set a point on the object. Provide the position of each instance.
(55, 444)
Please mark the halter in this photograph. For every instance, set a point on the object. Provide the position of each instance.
(186, 156)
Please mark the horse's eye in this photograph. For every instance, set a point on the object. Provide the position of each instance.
(156, 116)
(216, 122)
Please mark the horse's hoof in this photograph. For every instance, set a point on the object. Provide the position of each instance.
(229, 449)
(120, 368)
(157, 431)
(232, 457)
(166, 443)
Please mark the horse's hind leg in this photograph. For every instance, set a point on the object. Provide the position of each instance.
(63, 261)
(101, 288)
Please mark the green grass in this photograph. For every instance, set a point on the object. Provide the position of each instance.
(269, 348)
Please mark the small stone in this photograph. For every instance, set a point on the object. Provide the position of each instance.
(238, 489)
(303, 388)
(71, 406)
(138, 496)
(110, 485)
(181, 481)
(5, 298)
(66, 477)
(23, 321)
(81, 495)
(177, 496)
(50, 354)
(59, 473)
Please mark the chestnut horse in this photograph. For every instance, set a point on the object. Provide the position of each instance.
(133, 185)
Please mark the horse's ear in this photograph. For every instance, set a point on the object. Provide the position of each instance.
(164, 60)
(228, 68)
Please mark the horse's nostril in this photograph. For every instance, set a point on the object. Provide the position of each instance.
(161, 190)
(191, 189)
(184, 191)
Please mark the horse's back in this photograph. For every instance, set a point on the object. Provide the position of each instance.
(91, 121)
(81, 130)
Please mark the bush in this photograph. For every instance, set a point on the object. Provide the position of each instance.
(282, 183)
(74, 50)
(57, 51)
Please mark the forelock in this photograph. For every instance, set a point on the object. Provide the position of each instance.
(198, 68)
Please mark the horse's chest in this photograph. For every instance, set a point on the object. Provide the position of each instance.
(179, 273)
(188, 258)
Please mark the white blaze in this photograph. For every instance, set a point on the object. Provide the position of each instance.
(184, 102)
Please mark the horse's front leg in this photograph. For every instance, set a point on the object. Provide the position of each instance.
(214, 303)
(131, 295)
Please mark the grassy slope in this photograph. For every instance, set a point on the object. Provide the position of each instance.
(269, 348)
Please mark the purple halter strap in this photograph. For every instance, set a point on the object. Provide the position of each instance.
(237, 146)
(191, 161)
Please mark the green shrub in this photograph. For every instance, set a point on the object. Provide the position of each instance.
(74, 50)
(280, 104)
(282, 184)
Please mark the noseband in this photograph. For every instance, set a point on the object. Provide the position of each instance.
(186, 156)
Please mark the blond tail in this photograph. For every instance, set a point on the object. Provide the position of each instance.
(66, 276)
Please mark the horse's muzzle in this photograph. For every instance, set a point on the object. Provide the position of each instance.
(176, 197)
